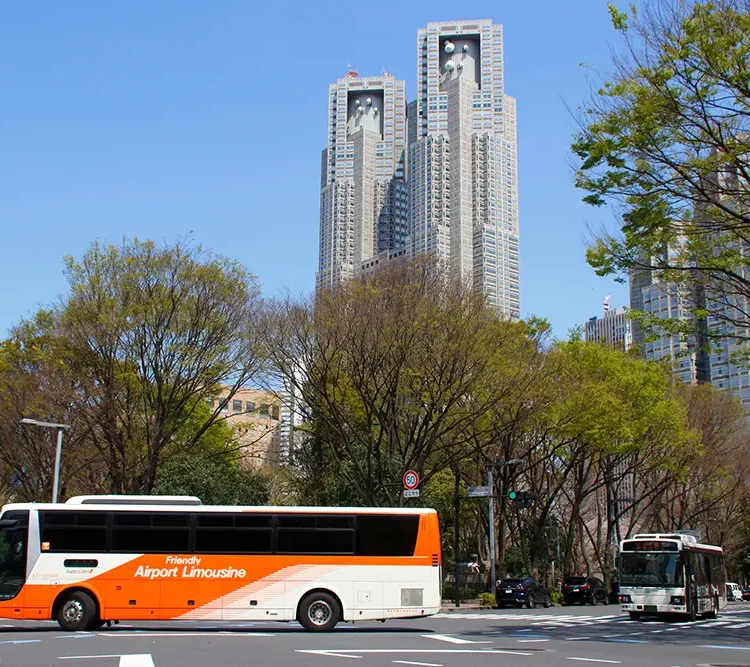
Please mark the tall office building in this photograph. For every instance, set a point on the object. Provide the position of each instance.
(462, 174)
(363, 198)
(711, 355)
(614, 329)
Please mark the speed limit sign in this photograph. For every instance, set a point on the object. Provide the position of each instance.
(411, 480)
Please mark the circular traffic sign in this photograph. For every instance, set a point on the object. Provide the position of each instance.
(411, 480)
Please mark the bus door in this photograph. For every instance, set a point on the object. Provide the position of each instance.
(14, 534)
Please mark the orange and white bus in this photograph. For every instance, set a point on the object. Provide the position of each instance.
(96, 559)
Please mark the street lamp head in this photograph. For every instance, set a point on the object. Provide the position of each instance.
(36, 422)
(509, 462)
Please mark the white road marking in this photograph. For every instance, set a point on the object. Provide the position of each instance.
(529, 641)
(466, 651)
(423, 664)
(452, 640)
(332, 654)
(142, 660)
(609, 662)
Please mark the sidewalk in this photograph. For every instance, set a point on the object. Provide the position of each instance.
(448, 605)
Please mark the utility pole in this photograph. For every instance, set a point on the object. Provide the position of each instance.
(456, 576)
(491, 508)
(491, 512)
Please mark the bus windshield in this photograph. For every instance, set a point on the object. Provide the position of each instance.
(651, 569)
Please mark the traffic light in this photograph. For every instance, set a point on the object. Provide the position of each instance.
(523, 498)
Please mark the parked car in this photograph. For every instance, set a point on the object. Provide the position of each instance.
(746, 593)
(733, 591)
(521, 592)
(584, 590)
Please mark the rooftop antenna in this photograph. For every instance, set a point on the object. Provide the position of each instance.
(351, 73)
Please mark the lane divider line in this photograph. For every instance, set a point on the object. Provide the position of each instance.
(452, 640)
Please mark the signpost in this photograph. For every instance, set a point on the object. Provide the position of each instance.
(411, 482)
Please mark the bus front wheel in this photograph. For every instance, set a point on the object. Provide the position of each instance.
(77, 611)
(319, 612)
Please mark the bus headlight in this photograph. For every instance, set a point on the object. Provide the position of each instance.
(624, 598)
(677, 600)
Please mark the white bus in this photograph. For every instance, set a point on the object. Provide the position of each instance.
(96, 559)
(664, 573)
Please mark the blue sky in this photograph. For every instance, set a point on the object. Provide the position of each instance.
(159, 118)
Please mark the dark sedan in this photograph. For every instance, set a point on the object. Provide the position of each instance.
(522, 592)
(584, 590)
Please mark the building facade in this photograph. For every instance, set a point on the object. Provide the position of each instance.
(363, 197)
(462, 167)
(614, 329)
(439, 178)
(255, 418)
(714, 356)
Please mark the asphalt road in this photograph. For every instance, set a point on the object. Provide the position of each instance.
(499, 638)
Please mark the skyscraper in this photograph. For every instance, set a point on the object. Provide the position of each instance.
(462, 176)
(614, 329)
(363, 198)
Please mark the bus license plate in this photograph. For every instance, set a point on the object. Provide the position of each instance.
(649, 607)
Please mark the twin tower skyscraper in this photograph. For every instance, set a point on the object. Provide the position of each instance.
(437, 175)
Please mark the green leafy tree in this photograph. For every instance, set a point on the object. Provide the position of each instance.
(391, 368)
(215, 481)
(666, 138)
(36, 381)
(154, 332)
(131, 357)
(614, 416)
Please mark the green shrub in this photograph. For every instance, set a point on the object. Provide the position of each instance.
(556, 597)
(486, 599)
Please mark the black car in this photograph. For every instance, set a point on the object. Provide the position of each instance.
(584, 590)
(521, 592)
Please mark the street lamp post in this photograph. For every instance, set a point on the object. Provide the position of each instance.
(58, 452)
(491, 508)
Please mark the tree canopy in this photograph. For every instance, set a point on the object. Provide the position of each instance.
(666, 139)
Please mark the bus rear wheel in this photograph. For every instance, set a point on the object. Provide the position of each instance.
(319, 612)
(77, 611)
